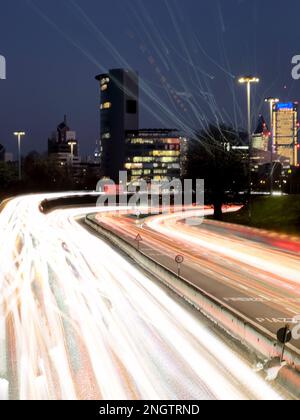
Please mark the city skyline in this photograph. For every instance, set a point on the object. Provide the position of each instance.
(158, 52)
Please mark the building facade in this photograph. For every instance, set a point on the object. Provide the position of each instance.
(154, 154)
(119, 113)
(285, 118)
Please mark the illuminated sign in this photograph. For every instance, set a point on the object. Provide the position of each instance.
(285, 106)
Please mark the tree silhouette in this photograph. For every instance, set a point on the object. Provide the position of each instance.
(213, 156)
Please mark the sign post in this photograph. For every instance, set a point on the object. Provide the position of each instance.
(284, 336)
(138, 240)
(179, 260)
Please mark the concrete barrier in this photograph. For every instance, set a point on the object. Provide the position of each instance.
(255, 337)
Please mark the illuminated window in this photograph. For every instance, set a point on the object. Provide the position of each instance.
(168, 160)
(141, 141)
(138, 159)
(160, 171)
(130, 166)
(165, 153)
(106, 105)
(106, 136)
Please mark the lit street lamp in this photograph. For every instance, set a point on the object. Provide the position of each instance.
(248, 80)
(19, 135)
(271, 102)
(72, 144)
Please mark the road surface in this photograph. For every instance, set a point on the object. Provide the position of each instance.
(79, 321)
(253, 272)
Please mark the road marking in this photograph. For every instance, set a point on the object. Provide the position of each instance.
(277, 320)
(292, 311)
(265, 297)
(243, 287)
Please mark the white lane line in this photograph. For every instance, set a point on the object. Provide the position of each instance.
(292, 311)
(264, 297)
(244, 287)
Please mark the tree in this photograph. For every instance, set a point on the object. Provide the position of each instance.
(213, 156)
(8, 176)
(43, 174)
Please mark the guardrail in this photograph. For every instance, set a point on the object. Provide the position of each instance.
(255, 337)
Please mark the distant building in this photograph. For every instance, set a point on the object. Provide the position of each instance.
(153, 154)
(262, 136)
(63, 146)
(261, 146)
(285, 117)
(119, 113)
(2, 153)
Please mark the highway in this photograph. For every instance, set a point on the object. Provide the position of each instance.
(79, 321)
(254, 273)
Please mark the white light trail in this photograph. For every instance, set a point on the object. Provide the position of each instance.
(81, 322)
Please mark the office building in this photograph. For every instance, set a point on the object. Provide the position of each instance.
(285, 117)
(119, 113)
(154, 154)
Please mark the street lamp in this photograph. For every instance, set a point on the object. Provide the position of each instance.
(19, 135)
(72, 144)
(248, 80)
(271, 101)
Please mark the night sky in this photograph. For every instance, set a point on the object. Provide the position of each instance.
(188, 54)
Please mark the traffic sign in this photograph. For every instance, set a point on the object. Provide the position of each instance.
(284, 335)
(139, 238)
(179, 259)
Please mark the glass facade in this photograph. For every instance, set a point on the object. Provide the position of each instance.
(153, 155)
(286, 132)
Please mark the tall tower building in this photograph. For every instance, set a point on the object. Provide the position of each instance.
(119, 112)
(285, 117)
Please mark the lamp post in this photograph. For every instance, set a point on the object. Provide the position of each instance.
(271, 102)
(72, 144)
(248, 80)
(19, 135)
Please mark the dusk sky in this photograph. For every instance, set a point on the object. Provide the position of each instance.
(188, 54)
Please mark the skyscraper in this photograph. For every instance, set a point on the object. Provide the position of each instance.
(119, 109)
(285, 117)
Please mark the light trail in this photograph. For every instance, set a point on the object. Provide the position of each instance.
(261, 257)
(252, 272)
(79, 321)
